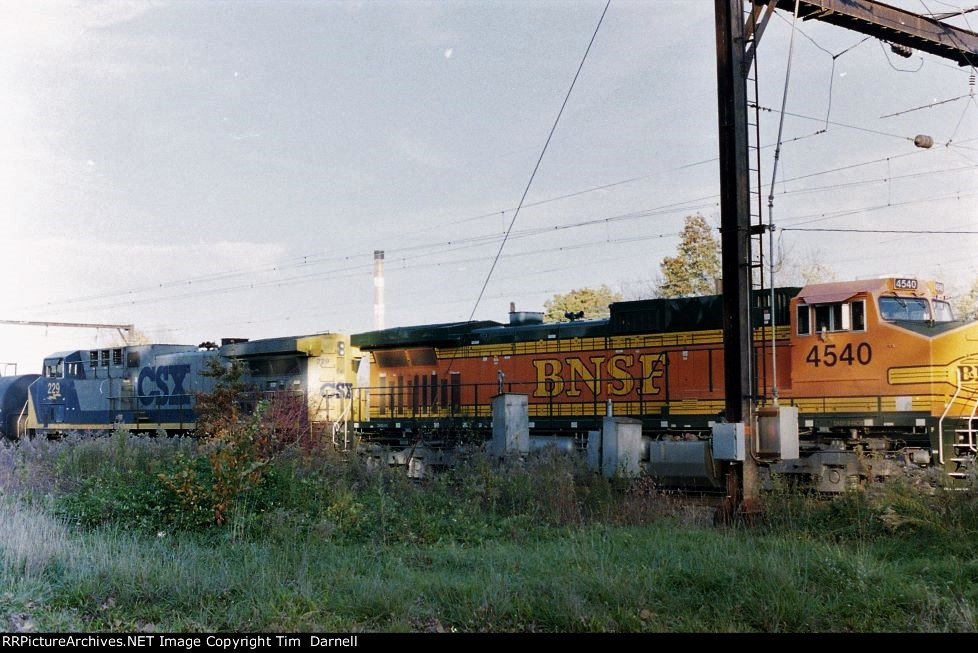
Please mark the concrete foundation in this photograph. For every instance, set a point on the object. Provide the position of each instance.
(510, 425)
(621, 447)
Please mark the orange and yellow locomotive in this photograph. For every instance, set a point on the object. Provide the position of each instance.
(872, 366)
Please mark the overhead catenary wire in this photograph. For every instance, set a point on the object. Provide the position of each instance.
(770, 206)
(831, 215)
(929, 232)
(312, 259)
(348, 272)
(926, 106)
(425, 250)
(536, 167)
(838, 124)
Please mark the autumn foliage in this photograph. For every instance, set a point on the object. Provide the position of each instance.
(240, 433)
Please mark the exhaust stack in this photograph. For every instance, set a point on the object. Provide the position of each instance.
(378, 289)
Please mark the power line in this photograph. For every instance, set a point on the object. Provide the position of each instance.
(536, 167)
(835, 123)
(819, 217)
(883, 231)
(320, 258)
(424, 250)
(926, 106)
(347, 272)
(864, 182)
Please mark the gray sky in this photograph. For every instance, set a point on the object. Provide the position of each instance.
(209, 169)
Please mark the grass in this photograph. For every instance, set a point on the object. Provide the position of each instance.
(329, 544)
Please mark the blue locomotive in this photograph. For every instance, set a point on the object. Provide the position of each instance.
(153, 388)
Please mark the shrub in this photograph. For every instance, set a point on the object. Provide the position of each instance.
(235, 445)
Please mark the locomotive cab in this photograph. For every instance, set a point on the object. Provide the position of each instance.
(877, 361)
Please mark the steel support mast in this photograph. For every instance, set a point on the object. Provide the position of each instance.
(734, 58)
(125, 330)
(735, 230)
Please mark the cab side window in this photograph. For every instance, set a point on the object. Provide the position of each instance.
(804, 324)
(54, 369)
(836, 316)
(858, 315)
(829, 317)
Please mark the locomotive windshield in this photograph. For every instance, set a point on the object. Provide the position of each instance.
(914, 309)
(942, 311)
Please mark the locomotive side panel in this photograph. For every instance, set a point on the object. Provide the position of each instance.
(657, 377)
(140, 387)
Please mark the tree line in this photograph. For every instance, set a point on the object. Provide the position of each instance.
(695, 270)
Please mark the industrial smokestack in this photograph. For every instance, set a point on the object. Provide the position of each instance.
(378, 289)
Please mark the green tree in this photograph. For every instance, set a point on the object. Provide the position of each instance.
(696, 266)
(592, 301)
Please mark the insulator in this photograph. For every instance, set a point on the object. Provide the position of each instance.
(923, 141)
(901, 50)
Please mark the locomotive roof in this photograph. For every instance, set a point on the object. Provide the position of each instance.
(446, 333)
(643, 316)
(541, 331)
(838, 291)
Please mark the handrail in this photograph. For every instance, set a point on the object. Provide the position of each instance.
(971, 421)
(22, 418)
(341, 420)
(940, 424)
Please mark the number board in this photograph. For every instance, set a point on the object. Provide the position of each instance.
(905, 284)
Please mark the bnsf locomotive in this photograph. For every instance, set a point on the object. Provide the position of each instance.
(152, 388)
(873, 367)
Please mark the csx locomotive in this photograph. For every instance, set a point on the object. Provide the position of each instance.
(880, 371)
(153, 388)
(873, 367)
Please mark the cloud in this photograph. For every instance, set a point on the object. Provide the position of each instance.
(81, 266)
(418, 151)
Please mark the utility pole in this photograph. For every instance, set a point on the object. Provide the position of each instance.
(737, 43)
